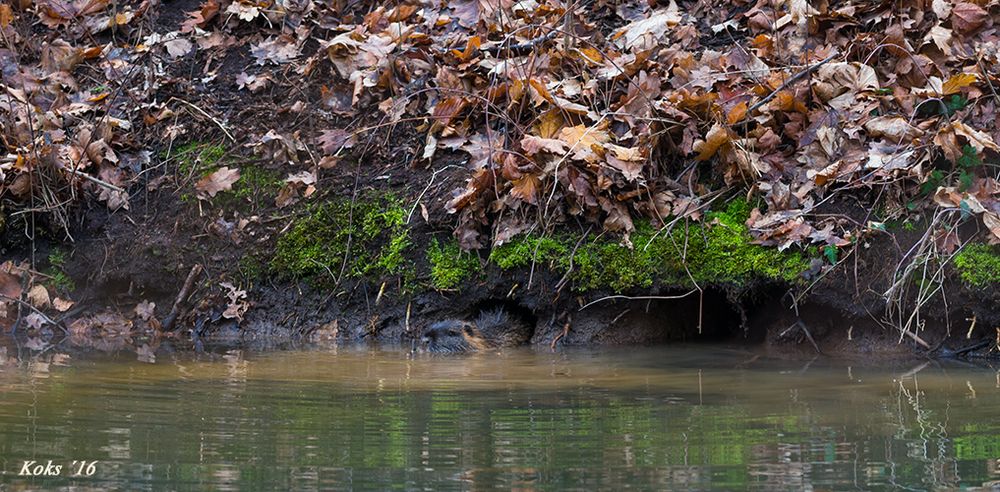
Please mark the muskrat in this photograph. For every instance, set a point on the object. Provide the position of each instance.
(491, 329)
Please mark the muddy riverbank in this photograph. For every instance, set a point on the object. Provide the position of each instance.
(607, 175)
(254, 286)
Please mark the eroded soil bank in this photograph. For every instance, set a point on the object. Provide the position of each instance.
(381, 268)
(813, 178)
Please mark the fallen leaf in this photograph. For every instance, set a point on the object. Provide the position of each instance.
(992, 222)
(178, 47)
(957, 82)
(38, 296)
(894, 128)
(648, 31)
(717, 137)
(967, 17)
(220, 180)
(533, 145)
(10, 285)
(145, 309)
(62, 305)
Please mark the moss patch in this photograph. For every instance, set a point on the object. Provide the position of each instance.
(978, 264)
(197, 160)
(715, 251)
(372, 244)
(450, 266)
(58, 279)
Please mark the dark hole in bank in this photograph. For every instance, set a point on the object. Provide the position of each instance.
(513, 309)
(713, 316)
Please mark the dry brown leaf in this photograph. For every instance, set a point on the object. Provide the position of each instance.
(220, 180)
(839, 79)
(967, 17)
(581, 138)
(992, 222)
(62, 305)
(646, 32)
(549, 123)
(533, 145)
(178, 47)
(717, 137)
(892, 127)
(526, 188)
(38, 296)
(10, 285)
(737, 113)
(979, 140)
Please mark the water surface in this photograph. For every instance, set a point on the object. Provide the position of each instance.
(683, 418)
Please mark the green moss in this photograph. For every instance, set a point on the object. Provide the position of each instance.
(522, 251)
(978, 264)
(256, 184)
(58, 279)
(450, 266)
(197, 160)
(372, 244)
(715, 251)
(722, 252)
(251, 267)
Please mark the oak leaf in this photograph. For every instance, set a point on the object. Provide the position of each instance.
(220, 180)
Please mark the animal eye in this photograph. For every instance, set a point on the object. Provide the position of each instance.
(453, 333)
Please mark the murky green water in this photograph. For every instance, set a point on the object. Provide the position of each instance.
(680, 419)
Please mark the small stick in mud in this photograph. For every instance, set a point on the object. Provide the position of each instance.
(182, 296)
(805, 331)
(562, 335)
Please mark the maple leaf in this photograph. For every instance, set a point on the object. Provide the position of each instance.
(526, 188)
(581, 139)
(244, 12)
(220, 180)
(277, 50)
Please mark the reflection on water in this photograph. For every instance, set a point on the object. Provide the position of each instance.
(361, 419)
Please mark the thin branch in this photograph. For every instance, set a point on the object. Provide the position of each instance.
(637, 298)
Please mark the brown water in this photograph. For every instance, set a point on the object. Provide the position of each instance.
(649, 419)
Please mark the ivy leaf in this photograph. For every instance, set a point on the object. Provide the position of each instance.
(830, 252)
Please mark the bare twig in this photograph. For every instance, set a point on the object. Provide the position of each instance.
(795, 78)
(210, 117)
(95, 180)
(33, 308)
(182, 296)
(636, 298)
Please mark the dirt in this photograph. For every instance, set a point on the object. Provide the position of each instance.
(121, 259)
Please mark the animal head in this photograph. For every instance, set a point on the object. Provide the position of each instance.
(451, 337)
